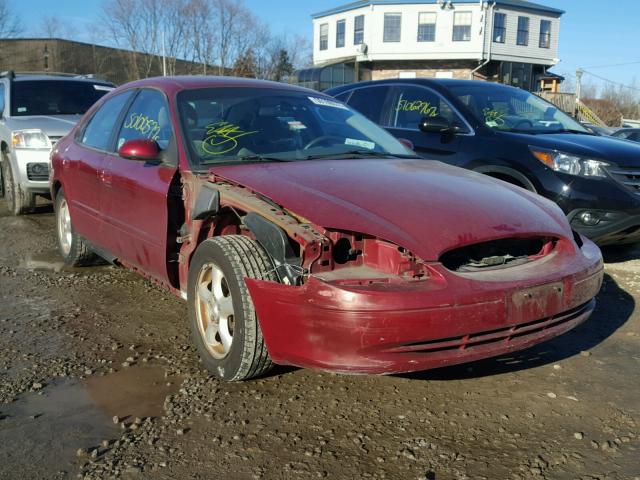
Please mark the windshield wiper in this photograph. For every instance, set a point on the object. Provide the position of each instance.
(356, 154)
(261, 158)
(569, 130)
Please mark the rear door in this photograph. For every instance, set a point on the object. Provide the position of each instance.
(407, 105)
(84, 162)
(136, 192)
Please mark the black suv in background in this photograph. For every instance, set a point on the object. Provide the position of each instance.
(517, 137)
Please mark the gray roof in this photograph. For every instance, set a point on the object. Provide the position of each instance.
(522, 4)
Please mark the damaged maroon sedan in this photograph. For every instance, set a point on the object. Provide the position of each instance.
(301, 233)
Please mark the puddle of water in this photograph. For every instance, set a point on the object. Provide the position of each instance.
(40, 433)
(132, 392)
(49, 261)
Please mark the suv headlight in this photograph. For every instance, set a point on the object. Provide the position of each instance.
(34, 138)
(571, 164)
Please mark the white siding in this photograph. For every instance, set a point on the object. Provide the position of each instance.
(532, 53)
(444, 48)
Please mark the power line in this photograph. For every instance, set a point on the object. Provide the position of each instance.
(615, 65)
(611, 81)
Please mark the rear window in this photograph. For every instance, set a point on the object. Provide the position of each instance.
(55, 97)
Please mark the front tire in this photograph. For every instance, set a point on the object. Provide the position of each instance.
(223, 320)
(19, 202)
(74, 251)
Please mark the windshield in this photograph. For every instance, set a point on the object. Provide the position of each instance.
(514, 110)
(54, 97)
(228, 125)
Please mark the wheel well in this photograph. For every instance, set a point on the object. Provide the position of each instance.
(55, 188)
(4, 147)
(507, 178)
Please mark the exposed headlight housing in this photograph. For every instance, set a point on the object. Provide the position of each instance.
(32, 139)
(570, 164)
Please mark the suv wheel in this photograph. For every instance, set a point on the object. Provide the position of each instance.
(18, 201)
(73, 249)
(223, 321)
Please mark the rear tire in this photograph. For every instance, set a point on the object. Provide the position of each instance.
(223, 320)
(19, 202)
(74, 251)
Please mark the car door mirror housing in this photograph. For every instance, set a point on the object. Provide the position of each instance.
(435, 125)
(142, 149)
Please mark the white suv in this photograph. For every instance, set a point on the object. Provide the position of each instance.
(36, 110)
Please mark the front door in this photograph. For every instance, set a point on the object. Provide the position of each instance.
(406, 106)
(136, 192)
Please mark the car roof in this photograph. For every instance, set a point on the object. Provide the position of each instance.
(430, 82)
(189, 82)
(64, 78)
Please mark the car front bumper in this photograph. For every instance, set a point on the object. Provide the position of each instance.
(24, 159)
(616, 205)
(448, 319)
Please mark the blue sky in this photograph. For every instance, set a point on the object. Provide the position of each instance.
(593, 32)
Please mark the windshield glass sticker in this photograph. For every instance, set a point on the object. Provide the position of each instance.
(327, 103)
(360, 143)
(425, 108)
(222, 137)
(103, 88)
(493, 118)
(144, 125)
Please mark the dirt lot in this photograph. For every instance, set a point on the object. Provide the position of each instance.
(99, 380)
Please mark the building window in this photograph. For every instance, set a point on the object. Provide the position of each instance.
(426, 27)
(545, 34)
(340, 32)
(499, 27)
(523, 31)
(392, 27)
(462, 26)
(358, 30)
(324, 36)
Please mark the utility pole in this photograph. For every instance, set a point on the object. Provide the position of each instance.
(164, 57)
(579, 73)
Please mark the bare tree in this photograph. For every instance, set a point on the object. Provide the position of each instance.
(50, 26)
(10, 25)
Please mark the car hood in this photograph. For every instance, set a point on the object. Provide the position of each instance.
(608, 149)
(425, 206)
(53, 126)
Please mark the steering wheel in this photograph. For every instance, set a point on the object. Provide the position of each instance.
(526, 123)
(321, 139)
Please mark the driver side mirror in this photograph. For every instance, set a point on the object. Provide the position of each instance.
(436, 124)
(142, 149)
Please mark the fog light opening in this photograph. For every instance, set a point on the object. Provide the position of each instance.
(590, 219)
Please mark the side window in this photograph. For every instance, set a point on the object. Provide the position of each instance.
(369, 102)
(98, 130)
(635, 136)
(148, 117)
(1, 98)
(410, 104)
(622, 135)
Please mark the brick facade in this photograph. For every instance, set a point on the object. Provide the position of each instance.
(422, 69)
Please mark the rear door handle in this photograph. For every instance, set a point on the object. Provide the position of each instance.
(105, 177)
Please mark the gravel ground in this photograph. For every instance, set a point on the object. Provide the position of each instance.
(99, 380)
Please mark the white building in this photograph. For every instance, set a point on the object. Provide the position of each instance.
(511, 41)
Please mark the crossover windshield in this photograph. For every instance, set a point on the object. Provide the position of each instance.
(514, 110)
(229, 125)
(55, 97)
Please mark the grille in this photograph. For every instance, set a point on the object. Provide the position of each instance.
(505, 336)
(38, 172)
(629, 177)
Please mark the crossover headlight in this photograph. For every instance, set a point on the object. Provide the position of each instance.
(571, 164)
(34, 138)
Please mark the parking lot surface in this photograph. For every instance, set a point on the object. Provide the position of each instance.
(99, 380)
